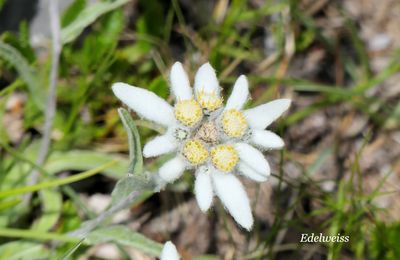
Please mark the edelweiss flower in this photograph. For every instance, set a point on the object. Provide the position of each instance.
(214, 140)
(169, 252)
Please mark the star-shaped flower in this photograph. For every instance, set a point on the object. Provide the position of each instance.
(216, 141)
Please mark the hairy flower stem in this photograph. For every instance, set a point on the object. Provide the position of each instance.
(89, 226)
(52, 93)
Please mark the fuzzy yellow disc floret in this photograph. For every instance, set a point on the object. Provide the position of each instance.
(195, 152)
(224, 157)
(234, 123)
(188, 112)
(210, 101)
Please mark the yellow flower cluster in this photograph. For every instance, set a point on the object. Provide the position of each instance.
(224, 157)
(188, 112)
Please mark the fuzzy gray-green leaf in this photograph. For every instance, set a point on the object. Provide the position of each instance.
(135, 150)
(128, 184)
(126, 237)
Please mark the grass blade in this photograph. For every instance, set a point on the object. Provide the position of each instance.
(72, 250)
(55, 183)
(87, 17)
(27, 73)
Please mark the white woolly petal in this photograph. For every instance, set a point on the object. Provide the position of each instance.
(169, 252)
(180, 85)
(265, 139)
(206, 80)
(160, 145)
(249, 172)
(262, 116)
(232, 194)
(203, 189)
(253, 158)
(145, 103)
(239, 95)
(172, 169)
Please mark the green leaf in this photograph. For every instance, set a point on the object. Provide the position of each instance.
(37, 235)
(27, 73)
(131, 183)
(51, 210)
(133, 53)
(135, 150)
(81, 160)
(72, 250)
(256, 14)
(2, 2)
(87, 17)
(57, 162)
(23, 250)
(126, 237)
(56, 182)
(8, 204)
(72, 12)
(385, 240)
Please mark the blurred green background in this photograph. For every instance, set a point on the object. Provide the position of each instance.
(339, 61)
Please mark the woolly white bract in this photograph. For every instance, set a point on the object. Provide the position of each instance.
(216, 141)
(169, 252)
